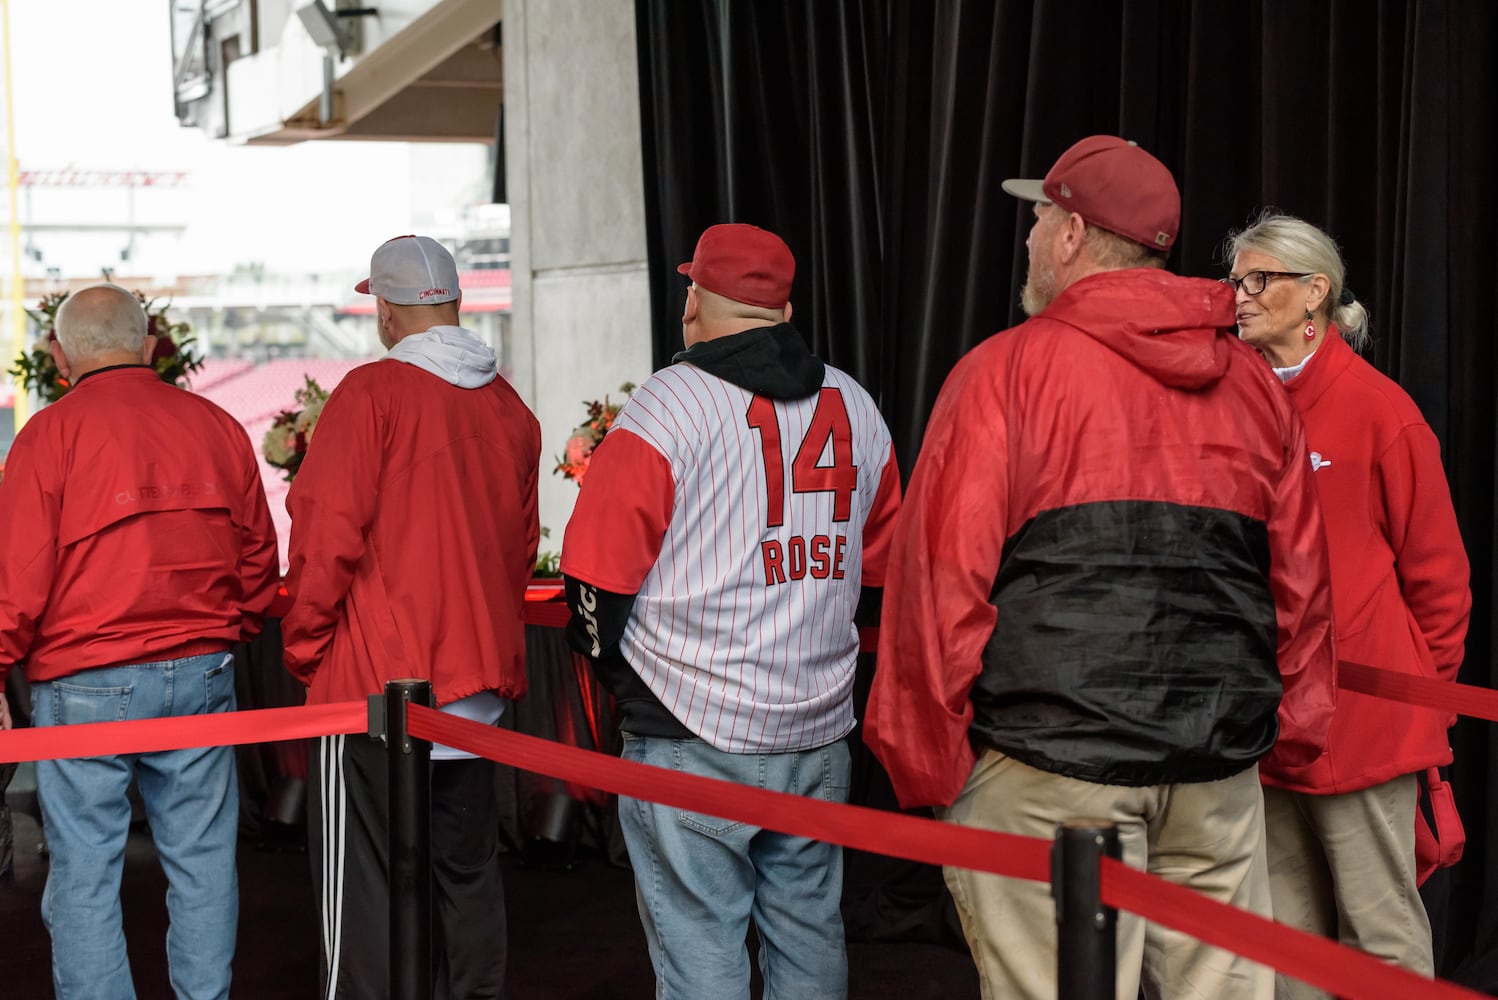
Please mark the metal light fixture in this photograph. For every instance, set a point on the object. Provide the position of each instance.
(322, 26)
(325, 27)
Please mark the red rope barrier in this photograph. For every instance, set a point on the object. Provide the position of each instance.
(853, 826)
(1345, 972)
(1304, 956)
(1297, 953)
(104, 739)
(1429, 692)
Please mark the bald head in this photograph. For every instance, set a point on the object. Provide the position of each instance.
(101, 320)
(395, 322)
(709, 316)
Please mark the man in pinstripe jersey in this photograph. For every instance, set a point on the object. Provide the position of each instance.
(714, 562)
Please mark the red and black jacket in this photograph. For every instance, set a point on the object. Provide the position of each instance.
(1111, 562)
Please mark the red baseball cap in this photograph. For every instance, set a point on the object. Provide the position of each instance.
(1114, 185)
(743, 263)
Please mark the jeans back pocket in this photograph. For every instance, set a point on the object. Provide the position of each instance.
(75, 704)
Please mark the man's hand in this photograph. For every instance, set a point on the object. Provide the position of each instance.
(4, 712)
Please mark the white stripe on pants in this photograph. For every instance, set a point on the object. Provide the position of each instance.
(334, 804)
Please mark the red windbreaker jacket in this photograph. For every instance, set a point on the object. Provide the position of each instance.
(1111, 560)
(414, 530)
(133, 528)
(1399, 570)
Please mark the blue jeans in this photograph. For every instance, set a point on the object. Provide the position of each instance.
(192, 803)
(699, 879)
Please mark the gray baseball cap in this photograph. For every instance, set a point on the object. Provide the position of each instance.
(411, 271)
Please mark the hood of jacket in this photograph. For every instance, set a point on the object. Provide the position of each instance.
(770, 361)
(1179, 330)
(451, 353)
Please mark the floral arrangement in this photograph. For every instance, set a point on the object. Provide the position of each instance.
(286, 443)
(174, 359)
(573, 463)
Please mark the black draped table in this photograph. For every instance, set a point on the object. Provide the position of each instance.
(540, 815)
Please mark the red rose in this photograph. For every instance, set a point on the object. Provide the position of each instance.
(164, 349)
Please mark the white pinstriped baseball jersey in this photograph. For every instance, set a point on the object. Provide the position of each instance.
(743, 621)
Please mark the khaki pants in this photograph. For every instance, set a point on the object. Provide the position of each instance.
(1343, 867)
(1207, 836)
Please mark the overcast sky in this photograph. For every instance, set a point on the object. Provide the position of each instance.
(91, 84)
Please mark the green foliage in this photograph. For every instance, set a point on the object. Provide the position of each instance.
(549, 564)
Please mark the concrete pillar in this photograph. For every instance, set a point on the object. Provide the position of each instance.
(581, 313)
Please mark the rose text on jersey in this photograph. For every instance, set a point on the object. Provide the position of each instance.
(822, 557)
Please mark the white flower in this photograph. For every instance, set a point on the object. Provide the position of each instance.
(279, 445)
(306, 421)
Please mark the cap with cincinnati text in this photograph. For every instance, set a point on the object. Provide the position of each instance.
(1114, 185)
(411, 271)
(744, 263)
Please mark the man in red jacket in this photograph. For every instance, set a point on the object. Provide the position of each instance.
(413, 534)
(136, 548)
(1107, 595)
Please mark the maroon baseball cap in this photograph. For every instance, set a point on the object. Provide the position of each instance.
(743, 263)
(1114, 185)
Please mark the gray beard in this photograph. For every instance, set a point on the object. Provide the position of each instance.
(1038, 293)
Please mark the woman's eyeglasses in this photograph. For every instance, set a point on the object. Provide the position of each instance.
(1255, 282)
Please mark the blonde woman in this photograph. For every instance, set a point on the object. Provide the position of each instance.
(1341, 829)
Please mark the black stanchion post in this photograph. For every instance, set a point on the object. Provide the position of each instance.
(1087, 934)
(410, 845)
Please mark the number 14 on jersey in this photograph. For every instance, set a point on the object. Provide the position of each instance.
(820, 556)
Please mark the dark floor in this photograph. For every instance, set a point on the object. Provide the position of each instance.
(574, 935)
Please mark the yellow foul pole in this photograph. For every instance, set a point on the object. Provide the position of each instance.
(13, 181)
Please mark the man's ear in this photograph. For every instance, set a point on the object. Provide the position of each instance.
(1073, 236)
(787, 311)
(64, 368)
(148, 349)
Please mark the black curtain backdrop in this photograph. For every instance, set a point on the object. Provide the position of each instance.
(873, 137)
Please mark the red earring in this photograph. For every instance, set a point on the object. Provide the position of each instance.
(1310, 325)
